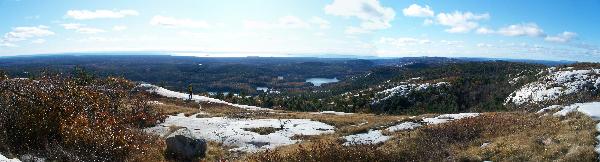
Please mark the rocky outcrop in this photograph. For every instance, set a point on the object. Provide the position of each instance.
(182, 145)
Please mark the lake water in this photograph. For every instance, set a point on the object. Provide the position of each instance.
(319, 81)
(264, 89)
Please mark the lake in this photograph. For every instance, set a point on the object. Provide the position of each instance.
(319, 81)
(264, 89)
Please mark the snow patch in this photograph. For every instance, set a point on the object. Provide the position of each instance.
(168, 93)
(404, 89)
(554, 85)
(371, 137)
(591, 109)
(448, 117)
(515, 80)
(549, 108)
(331, 113)
(404, 126)
(376, 136)
(231, 131)
(4, 159)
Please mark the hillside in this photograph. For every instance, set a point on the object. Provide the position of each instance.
(559, 85)
(450, 111)
(413, 89)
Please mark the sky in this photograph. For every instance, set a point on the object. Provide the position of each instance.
(520, 29)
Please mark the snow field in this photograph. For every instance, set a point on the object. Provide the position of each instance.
(231, 131)
(168, 93)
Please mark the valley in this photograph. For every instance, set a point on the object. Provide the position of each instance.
(416, 109)
(299, 81)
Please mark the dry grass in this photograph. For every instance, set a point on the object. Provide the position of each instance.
(215, 109)
(218, 152)
(344, 124)
(510, 137)
(170, 107)
(263, 130)
(320, 150)
(547, 139)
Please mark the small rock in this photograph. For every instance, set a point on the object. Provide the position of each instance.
(548, 141)
(485, 144)
(183, 146)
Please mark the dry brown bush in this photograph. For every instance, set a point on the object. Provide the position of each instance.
(510, 137)
(74, 119)
(323, 150)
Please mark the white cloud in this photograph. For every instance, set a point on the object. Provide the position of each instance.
(292, 22)
(171, 22)
(415, 10)
(251, 24)
(524, 29)
(81, 28)
(322, 23)
(403, 41)
(484, 45)
(97, 14)
(38, 41)
(451, 43)
(562, 37)
(24, 33)
(460, 22)
(115, 39)
(119, 28)
(427, 22)
(372, 14)
(6, 44)
(286, 22)
(356, 30)
(484, 30)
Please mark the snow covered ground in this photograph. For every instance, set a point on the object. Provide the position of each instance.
(231, 131)
(168, 93)
(4, 159)
(405, 88)
(557, 83)
(371, 137)
(448, 117)
(404, 126)
(591, 109)
(331, 113)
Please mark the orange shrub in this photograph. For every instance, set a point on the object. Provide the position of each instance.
(65, 119)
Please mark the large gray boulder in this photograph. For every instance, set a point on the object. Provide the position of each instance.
(182, 145)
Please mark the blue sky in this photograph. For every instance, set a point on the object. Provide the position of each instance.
(540, 29)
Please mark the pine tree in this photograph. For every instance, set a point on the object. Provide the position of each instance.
(3, 75)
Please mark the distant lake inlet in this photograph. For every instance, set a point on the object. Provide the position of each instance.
(264, 89)
(319, 81)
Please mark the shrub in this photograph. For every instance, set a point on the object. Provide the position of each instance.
(323, 150)
(65, 119)
(509, 137)
(3, 75)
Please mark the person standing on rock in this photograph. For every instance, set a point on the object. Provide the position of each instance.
(190, 91)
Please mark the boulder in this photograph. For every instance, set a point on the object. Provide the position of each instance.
(182, 145)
